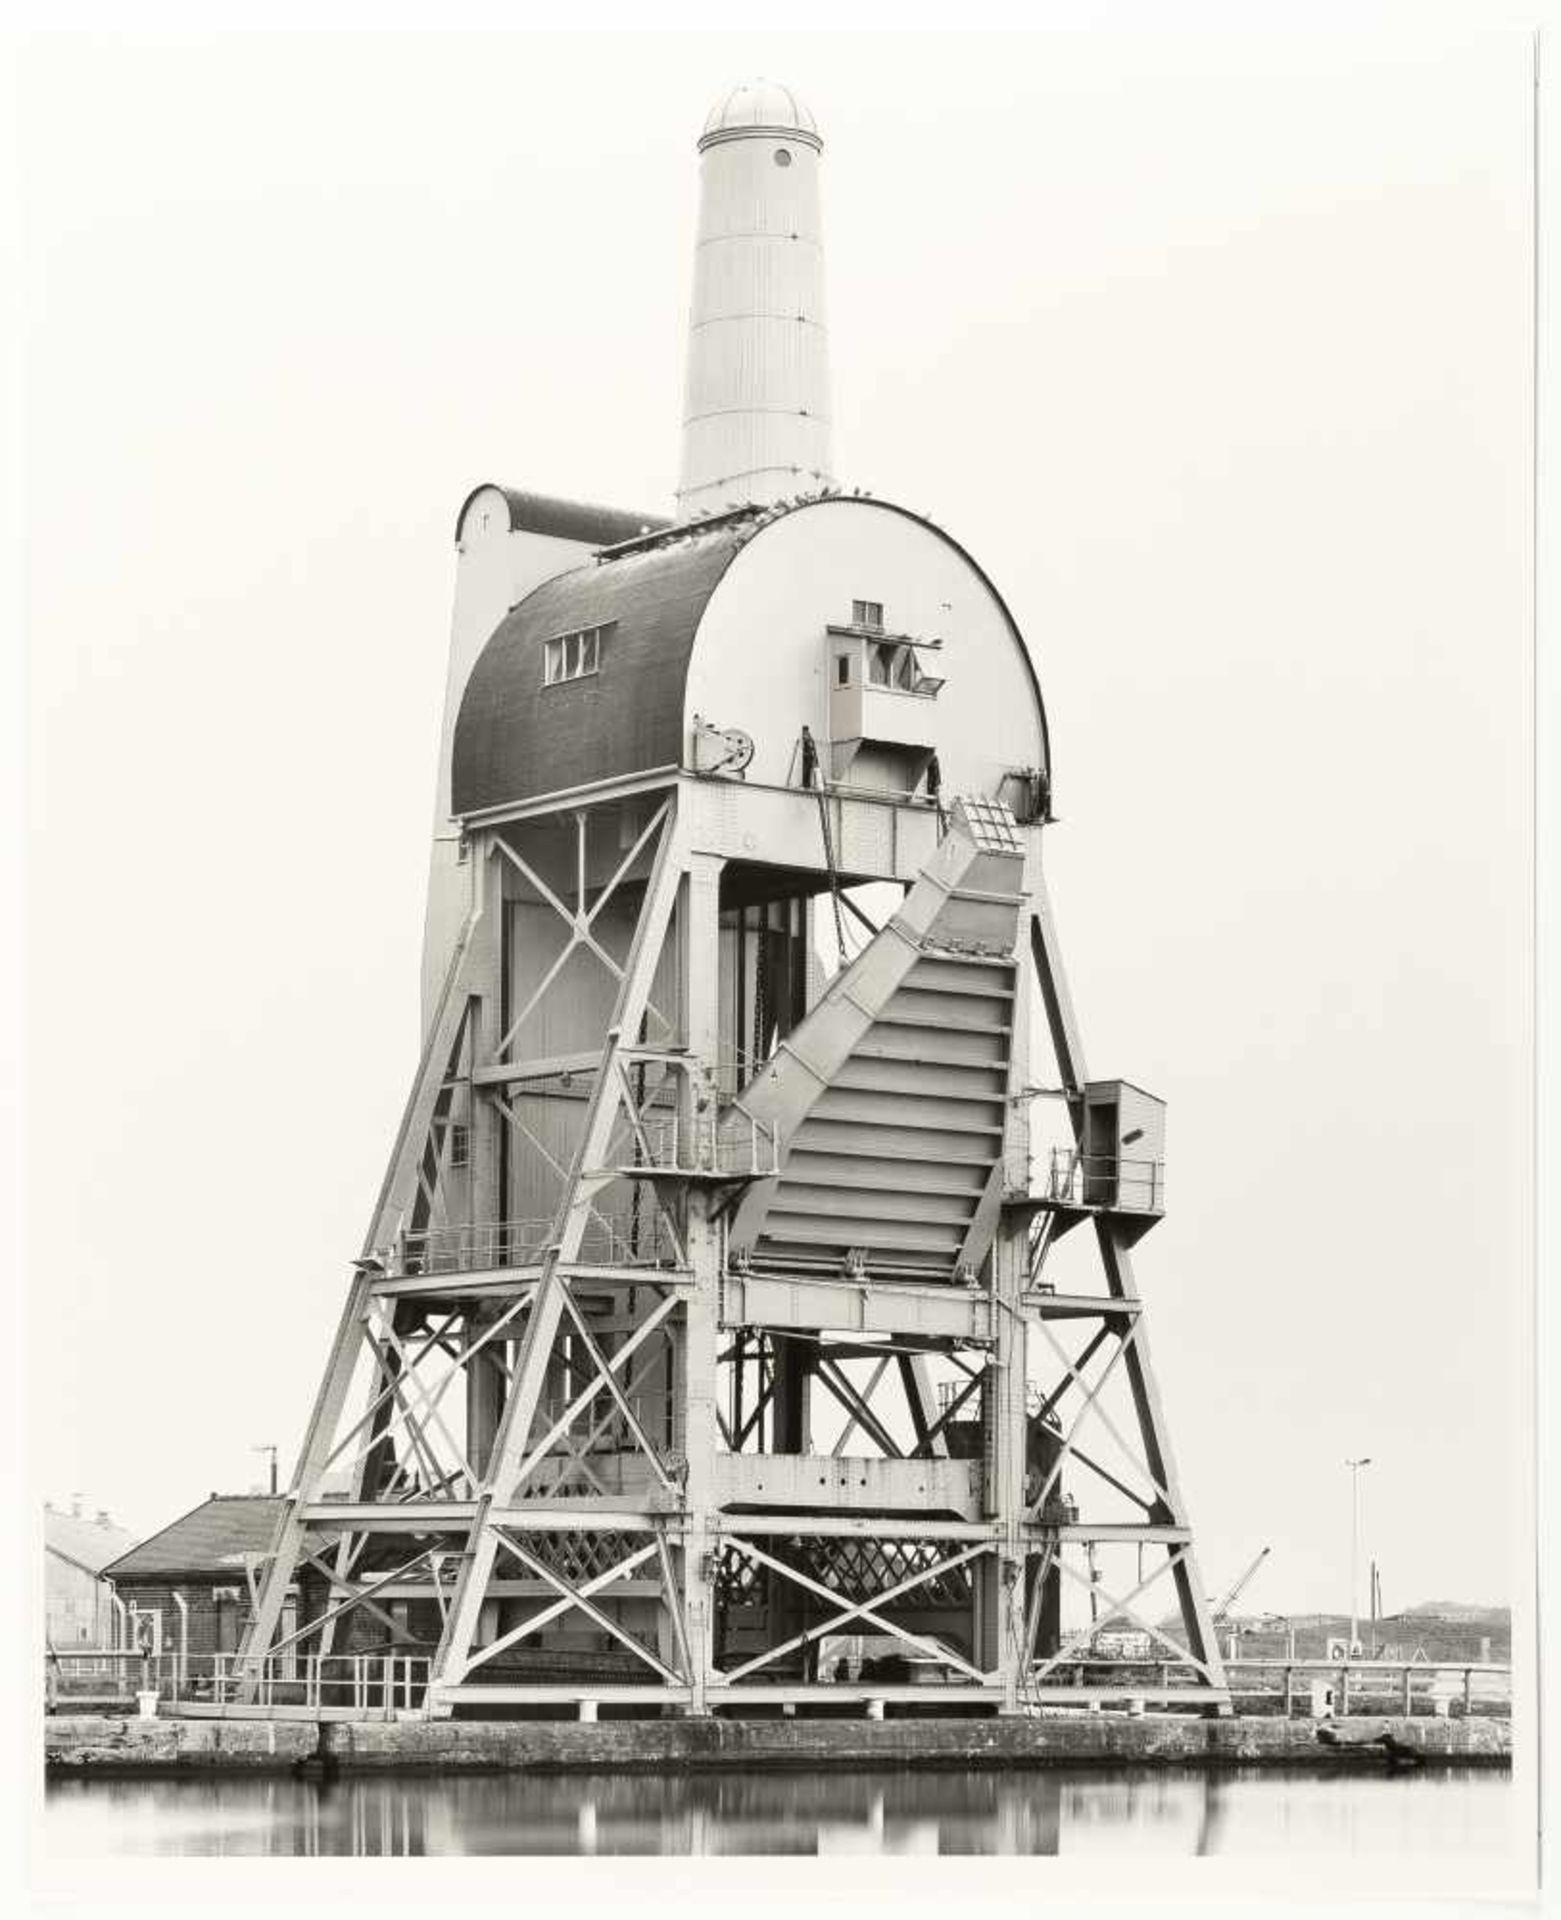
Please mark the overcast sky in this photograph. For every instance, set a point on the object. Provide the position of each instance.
(1216, 352)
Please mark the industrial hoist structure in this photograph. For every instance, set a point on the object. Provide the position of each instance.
(748, 1314)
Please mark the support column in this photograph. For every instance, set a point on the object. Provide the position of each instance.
(697, 1409)
(486, 1142)
(1005, 1632)
(790, 1408)
(694, 1364)
(1003, 1583)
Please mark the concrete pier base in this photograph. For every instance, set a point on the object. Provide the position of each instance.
(98, 1744)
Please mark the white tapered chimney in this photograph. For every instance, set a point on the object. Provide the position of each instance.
(756, 410)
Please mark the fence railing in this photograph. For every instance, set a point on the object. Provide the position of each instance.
(1077, 1179)
(355, 1685)
(293, 1685)
(1374, 1686)
(1284, 1686)
(737, 1147)
(97, 1673)
(618, 1239)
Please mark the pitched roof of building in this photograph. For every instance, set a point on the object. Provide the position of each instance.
(212, 1538)
(88, 1544)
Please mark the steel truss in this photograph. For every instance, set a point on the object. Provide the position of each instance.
(572, 1456)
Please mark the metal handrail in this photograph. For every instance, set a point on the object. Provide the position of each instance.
(709, 1145)
(1073, 1176)
(366, 1684)
(1275, 1679)
(476, 1246)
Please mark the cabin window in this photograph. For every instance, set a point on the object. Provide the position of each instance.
(572, 656)
(842, 669)
(893, 665)
(460, 1145)
(867, 613)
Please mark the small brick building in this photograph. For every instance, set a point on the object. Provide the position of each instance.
(188, 1587)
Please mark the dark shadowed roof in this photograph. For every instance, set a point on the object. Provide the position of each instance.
(565, 519)
(515, 738)
(213, 1538)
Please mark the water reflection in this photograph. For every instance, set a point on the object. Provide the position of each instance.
(1057, 1811)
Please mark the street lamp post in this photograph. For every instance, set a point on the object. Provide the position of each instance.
(1355, 1467)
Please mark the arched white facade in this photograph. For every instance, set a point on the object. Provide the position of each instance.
(762, 655)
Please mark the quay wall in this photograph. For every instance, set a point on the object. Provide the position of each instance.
(110, 1744)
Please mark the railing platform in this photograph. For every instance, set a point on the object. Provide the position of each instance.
(396, 1686)
(713, 1151)
(613, 1241)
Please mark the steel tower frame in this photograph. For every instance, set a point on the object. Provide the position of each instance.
(633, 1459)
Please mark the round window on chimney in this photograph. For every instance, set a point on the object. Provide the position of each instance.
(782, 157)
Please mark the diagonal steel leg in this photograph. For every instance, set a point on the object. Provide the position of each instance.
(510, 1442)
(1117, 1262)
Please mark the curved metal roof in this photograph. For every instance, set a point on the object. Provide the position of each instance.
(515, 739)
(759, 107)
(565, 519)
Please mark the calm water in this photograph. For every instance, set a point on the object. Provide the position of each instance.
(1254, 1811)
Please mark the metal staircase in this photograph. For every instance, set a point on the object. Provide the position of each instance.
(887, 1102)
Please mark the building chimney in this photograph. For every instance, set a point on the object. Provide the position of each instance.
(756, 409)
(75, 1506)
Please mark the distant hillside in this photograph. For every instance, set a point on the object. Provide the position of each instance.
(1459, 1610)
(1433, 1631)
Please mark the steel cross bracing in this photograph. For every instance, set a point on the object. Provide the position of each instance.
(592, 1426)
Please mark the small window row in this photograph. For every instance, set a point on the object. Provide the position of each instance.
(572, 655)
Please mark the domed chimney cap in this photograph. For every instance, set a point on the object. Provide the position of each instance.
(763, 109)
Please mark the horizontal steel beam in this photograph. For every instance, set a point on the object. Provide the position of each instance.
(929, 1693)
(784, 821)
(402, 1516)
(593, 793)
(503, 1073)
(536, 1516)
(456, 1516)
(1078, 1306)
(856, 1306)
(504, 1282)
(852, 1527)
(1110, 1534)
(496, 1695)
(860, 1485)
(509, 1590)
